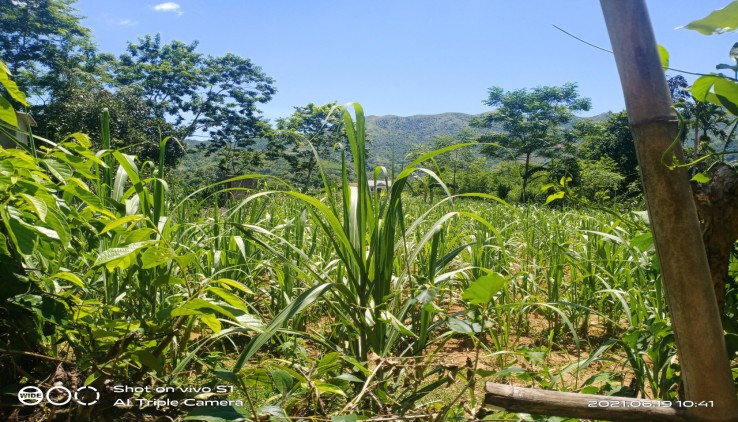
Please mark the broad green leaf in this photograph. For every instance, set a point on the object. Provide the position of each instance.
(58, 222)
(199, 306)
(227, 376)
(702, 87)
(233, 283)
(70, 277)
(463, 327)
(555, 196)
(185, 260)
(642, 242)
(727, 92)
(17, 217)
(329, 362)
(211, 321)
(58, 169)
(229, 298)
(4, 245)
(82, 138)
(328, 388)
(148, 359)
(39, 207)
(7, 113)
(717, 22)
(282, 380)
(664, 56)
(700, 178)
(120, 257)
(12, 88)
(482, 290)
(21, 237)
(155, 256)
(121, 221)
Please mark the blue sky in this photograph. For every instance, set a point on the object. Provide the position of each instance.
(407, 57)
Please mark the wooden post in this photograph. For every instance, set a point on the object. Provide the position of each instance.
(692, 305)
(587, 406)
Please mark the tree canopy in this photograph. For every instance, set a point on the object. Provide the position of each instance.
(529, 124)
(310, 130)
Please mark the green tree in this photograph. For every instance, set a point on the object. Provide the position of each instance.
(319, 126)
(133, 126)
(46, 48)
(529, 124)
(214, 97)
(611, 139)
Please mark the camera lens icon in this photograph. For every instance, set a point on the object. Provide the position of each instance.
(58, 395)
(89, 396)
(30, 395)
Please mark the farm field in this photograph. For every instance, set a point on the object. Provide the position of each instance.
(329, 307)
(180, 242)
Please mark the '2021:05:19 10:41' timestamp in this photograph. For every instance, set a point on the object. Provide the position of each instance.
(649, 403)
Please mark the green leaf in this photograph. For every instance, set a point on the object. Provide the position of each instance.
(329, 362)
(148, 359)
(4, 245)
(38, 206)
(229, 298)
(226, 375)
(727, 92)
(700, 178)
(7, 113)
(463, 327)
(155, 256)
(642, 242)
(121, 221)
(70, 277)
(388, 317)
(120, 257)
(199, 306)
(555, 196)
(483, 289)
(58, 169)
(664, 56)
(211, 321)
(12, 88)
(328, 388)
(82, 138)
(282, 380)
(702, 87)
(231, 283)
(717, 22)
(295, 307)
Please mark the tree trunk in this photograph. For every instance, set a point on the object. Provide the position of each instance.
(717, 205)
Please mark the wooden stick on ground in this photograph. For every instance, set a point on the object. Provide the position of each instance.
(575, 405)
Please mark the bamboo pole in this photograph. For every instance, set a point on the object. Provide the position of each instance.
(575, 405)
(699, 336)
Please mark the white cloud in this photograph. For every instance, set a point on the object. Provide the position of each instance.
(169, 6)
(118, 21)
(126, 22)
